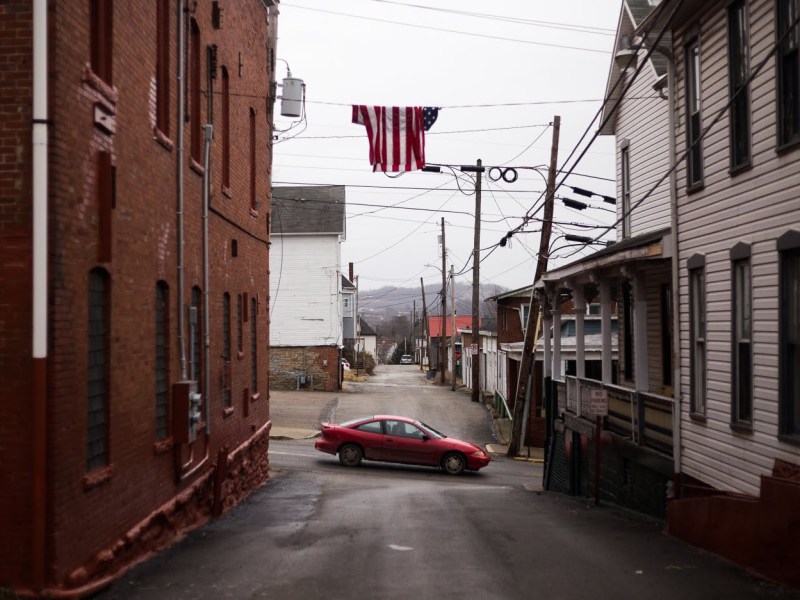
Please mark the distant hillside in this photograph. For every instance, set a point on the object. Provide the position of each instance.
(381, 306)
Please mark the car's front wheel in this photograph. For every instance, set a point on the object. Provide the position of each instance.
(350, 455)
(454, 463)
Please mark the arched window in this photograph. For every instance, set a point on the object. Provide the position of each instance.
(97, 379)
(226, 130)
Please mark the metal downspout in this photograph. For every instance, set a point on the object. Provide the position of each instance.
(179, 185)
(209, 135)
(676, 318)
(39, 187)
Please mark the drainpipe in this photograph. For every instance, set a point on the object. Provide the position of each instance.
(676, 318)
(209, 135)
(39, 188)
(179, 184)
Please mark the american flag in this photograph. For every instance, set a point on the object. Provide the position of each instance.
(396, 135)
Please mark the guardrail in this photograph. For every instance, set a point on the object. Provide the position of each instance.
(501, 406)
(642, 417)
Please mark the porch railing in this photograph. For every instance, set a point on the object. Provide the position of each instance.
(642, 417)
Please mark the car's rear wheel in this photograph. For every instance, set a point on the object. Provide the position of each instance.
(350, 455)
(454, 463)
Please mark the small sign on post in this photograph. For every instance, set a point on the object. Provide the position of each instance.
(598, 403)
(473, 349)
(598, 407)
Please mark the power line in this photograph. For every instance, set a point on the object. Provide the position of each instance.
(517, 20)
(429, 28)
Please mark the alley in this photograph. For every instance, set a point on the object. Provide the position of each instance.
(317, 529)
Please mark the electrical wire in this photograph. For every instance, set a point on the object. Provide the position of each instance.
(755, 71)
(430, 28)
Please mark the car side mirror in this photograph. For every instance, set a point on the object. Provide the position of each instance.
(425, 437)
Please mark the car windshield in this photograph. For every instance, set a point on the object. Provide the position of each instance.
(353, 421)
(431, 430)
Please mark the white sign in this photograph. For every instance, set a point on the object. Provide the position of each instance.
(598, 403)
(473, 349)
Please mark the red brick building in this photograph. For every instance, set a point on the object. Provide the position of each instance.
(121, 294)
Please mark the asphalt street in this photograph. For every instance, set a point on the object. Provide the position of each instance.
(320, 530)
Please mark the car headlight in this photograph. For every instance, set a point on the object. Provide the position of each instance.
(479, 454)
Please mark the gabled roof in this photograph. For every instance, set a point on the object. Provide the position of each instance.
(347, 284)
(308, 209)
(523, 292)
(632, 14)
(365, 328)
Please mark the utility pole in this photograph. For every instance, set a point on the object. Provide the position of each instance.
(414, 326)
(522, 395)
(442, 355)
(476, 280)
(453, 328)
(425, 330)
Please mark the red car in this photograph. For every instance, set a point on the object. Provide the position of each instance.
(388, 438)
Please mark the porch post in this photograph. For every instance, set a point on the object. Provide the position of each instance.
(579, 305)
(557, 338)
(547, 323)
(605, 326)
(641, 367)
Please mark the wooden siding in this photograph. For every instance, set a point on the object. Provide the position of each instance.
(643, 121)
(754, 206)
(304, 291)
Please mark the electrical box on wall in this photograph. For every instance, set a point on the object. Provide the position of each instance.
(185, 411)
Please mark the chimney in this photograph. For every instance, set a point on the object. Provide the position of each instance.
(351, 272)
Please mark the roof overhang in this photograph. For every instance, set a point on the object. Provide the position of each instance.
(653, 246)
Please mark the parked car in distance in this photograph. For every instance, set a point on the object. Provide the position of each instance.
(387, 438)
(345, 364)
(406, 359)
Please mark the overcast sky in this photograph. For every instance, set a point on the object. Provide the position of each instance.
(499, 77)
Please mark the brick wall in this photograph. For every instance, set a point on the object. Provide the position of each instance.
(16, 82)
(91, 513)
(319, 364)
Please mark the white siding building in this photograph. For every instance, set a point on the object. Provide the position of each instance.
(736, 100)
(307, 227)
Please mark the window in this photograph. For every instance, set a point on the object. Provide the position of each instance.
(253, 200)
(162, 359)
(227, 398)
(404, 430)
(253, 348)
(697, 333)
(162, 65)
(239, 321)
(371, 427)
(226, 129)
(101, 40)
(738, 72)
(627, 331)
(524, 309)
(789, 351)
(788, 61)
(742, 356)
(694, 155)
(625, 183)
(195, 130)
(97, 371)
(666, 334)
